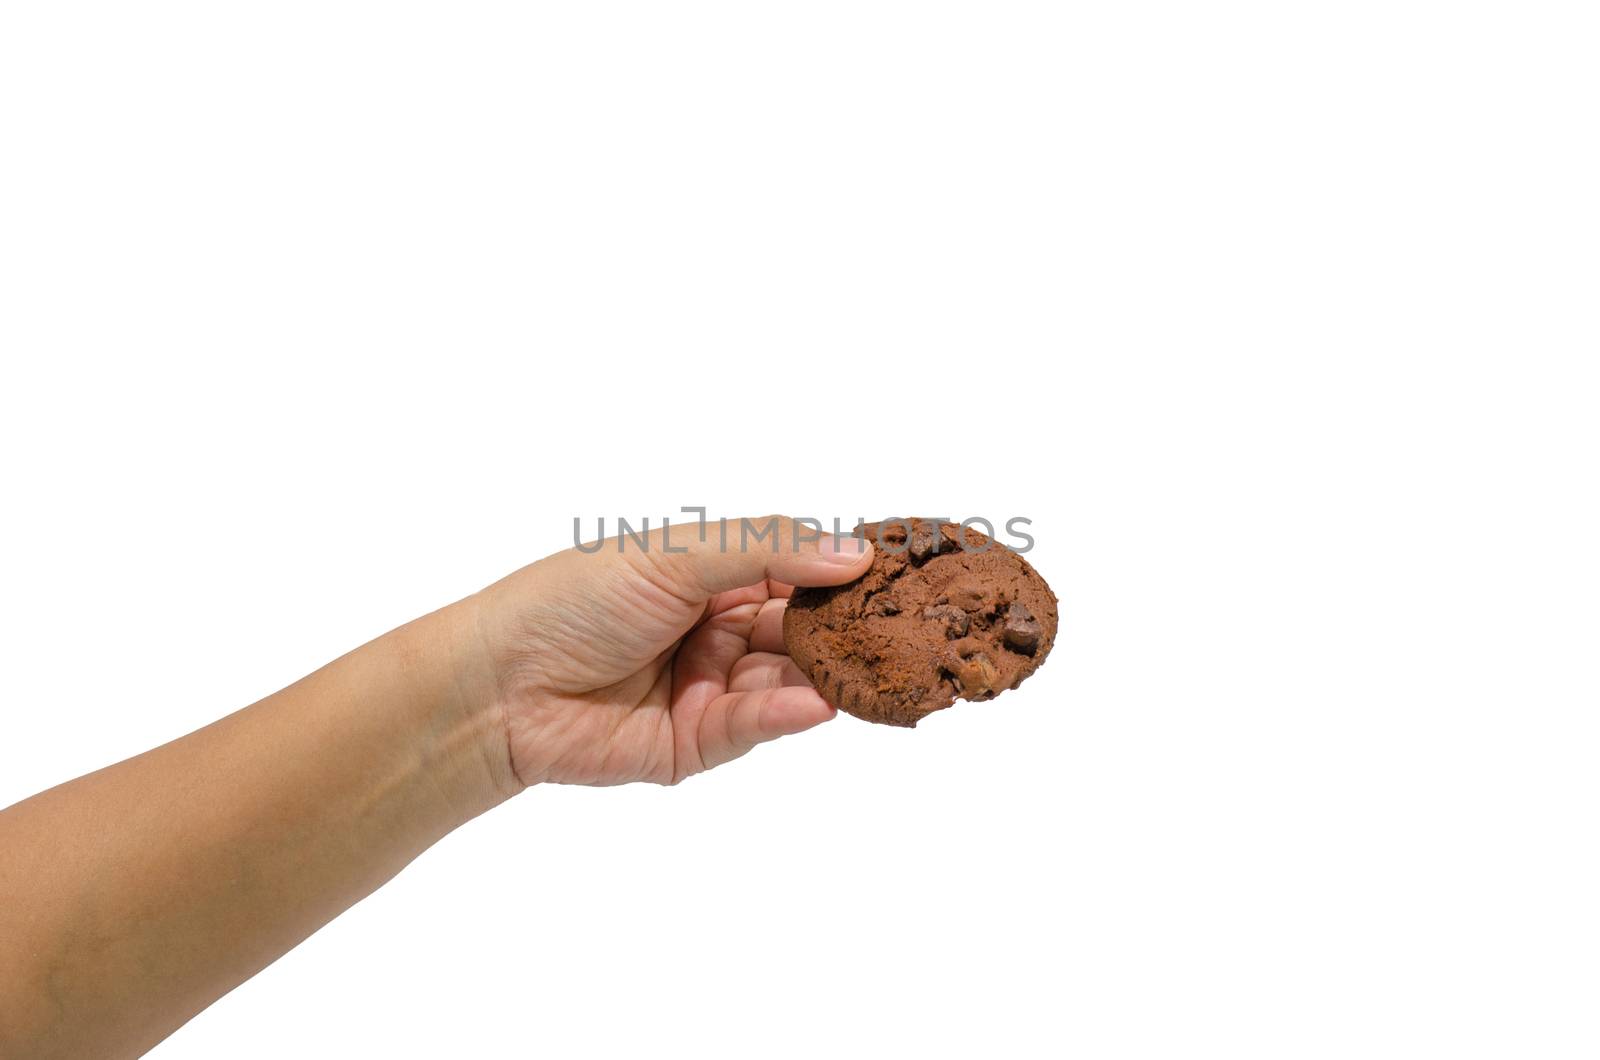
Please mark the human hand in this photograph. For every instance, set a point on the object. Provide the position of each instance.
(123, 888)
(640, 664)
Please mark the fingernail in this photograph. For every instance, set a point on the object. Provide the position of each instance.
(842, 548)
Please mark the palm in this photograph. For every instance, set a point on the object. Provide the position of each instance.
(616, 676)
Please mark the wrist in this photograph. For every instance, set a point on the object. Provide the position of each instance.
(462, 724)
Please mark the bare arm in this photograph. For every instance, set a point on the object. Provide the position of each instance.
(137, 895)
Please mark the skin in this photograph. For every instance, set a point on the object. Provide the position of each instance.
(137, 895)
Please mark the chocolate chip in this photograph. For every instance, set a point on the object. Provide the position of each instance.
(1021, 630)
(883, 604)
(975, 675)
(955, 620)
(924, 541)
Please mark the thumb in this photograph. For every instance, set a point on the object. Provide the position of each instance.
(704, 559)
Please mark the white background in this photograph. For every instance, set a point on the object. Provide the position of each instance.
(1277, 319)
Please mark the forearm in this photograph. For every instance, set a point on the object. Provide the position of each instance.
(133, 897)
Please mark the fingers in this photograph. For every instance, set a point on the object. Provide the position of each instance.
(765, 670)
(758, 623)
(737, 721)
(757, 593)
(766, 634)
(741, 552)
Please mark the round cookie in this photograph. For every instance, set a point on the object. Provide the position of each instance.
(929, 622)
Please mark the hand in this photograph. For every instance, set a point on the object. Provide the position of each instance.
(640, 664)
(139, 894)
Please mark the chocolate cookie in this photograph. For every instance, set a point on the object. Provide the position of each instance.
(930, 621)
